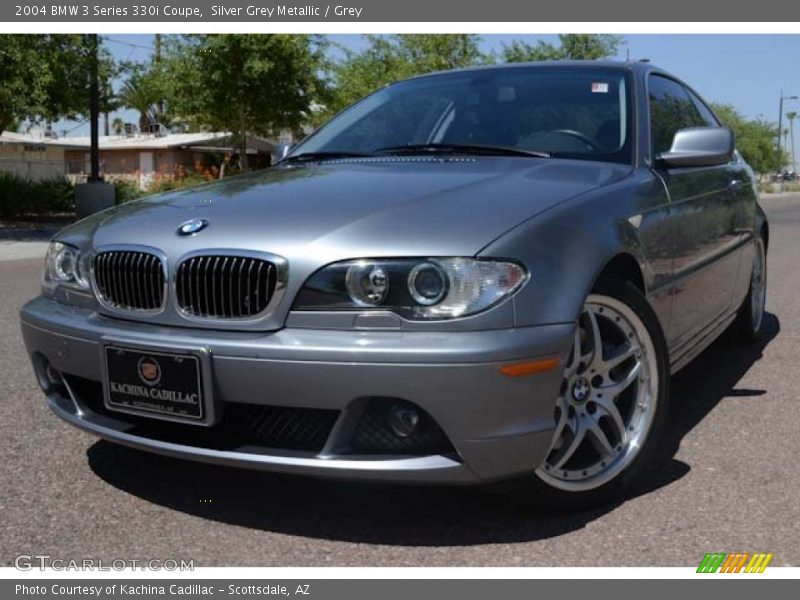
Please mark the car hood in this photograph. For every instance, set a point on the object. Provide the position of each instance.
(324, 212)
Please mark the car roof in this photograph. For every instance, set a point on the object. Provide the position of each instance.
(632, 66)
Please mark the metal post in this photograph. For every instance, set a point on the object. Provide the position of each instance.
(94, 109)
(160, 109)
(780, 132)
(95, 194)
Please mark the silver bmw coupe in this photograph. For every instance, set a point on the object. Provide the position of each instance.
(464, 277)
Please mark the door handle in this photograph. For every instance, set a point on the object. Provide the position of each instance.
(735, 184)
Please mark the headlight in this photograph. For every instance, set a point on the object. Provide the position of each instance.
(425, 288)
(367, 284)
(64, 265)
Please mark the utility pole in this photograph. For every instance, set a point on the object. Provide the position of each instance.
(157, 59)
(792, 115)
(94, 110)
(780, 125)
(106, 100)
(780, 130)
(95, 194)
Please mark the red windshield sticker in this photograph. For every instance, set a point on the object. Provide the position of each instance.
(599, 88)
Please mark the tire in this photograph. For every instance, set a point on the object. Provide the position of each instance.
(747, 326)
(621, 394)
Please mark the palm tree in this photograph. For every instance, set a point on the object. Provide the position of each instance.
(791, 116)
(117, 125)
(140, 94)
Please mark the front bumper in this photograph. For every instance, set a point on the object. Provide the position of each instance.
(497, 426)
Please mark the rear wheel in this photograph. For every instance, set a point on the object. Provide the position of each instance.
(747, 326)
(611, 404)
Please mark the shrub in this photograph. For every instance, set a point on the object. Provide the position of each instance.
(766, 188)
(785, 186)
(162, 183)
(126, 190)
(20, 197)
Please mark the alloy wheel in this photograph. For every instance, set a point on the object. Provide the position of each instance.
(607, 400)
(758, 286)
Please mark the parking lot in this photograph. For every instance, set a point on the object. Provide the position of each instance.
(727, 478)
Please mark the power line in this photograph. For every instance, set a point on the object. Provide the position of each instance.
(80, 124)
(131, 44)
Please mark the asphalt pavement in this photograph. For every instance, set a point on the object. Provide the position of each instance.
(727, 476)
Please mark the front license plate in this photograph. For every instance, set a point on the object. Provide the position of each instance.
(154, 382)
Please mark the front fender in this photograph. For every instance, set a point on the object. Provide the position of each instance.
(567, 248)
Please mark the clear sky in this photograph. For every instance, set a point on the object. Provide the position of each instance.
(747, 71)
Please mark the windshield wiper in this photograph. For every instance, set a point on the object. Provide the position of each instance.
(312, 156)
(474, 149)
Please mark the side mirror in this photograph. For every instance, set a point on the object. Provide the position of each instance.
(279, 151)
(699, 147)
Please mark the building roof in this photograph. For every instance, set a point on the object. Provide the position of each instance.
(137, 142)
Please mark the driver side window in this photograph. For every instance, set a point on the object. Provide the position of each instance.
(671, 109)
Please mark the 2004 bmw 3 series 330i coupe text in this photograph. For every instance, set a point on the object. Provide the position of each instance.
(464, 277)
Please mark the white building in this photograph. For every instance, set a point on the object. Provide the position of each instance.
(137, 158)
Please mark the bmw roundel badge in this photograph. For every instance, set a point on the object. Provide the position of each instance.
(192, 227)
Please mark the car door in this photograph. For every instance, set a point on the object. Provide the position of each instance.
(704, 215)
(741, 186)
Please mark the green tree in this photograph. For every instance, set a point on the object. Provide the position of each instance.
(260, 84)
(755, 139)
(45, 77)
(141, 92)
(390, 58)
(574, 46)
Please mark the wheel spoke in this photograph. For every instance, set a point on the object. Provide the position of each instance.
(569, 449)
(620, 356)
(597, 342)
(611, 411)
(562, 421)
(572, 368)
(617, 387)
(599, 439)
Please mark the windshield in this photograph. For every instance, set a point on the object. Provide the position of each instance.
(569, 112)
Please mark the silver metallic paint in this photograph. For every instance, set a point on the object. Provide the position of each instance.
(566, 220)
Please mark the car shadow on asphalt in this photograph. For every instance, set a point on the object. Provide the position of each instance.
(412, 515)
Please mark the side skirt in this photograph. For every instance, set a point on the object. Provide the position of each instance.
(682, 356)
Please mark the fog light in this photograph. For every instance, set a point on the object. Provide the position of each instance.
(48, 377)
(403, 420)
(53, 376)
